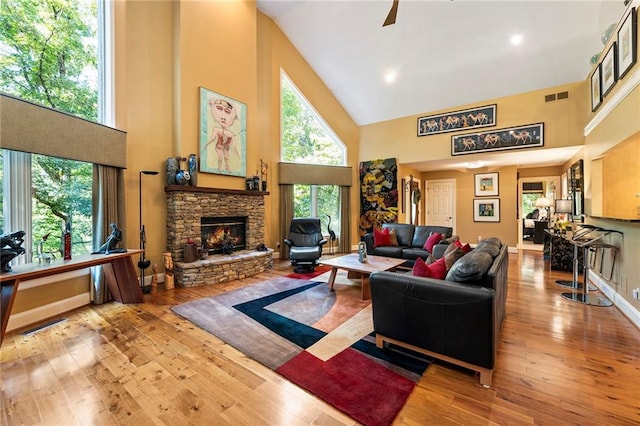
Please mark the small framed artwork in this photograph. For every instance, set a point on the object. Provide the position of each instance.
(626, 45)
(596, 88)
(609, 68)
(223, 134)
(486, 210)
(486, 184)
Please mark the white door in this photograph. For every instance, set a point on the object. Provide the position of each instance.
(440, 202)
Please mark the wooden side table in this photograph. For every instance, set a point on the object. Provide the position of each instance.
(119, 271)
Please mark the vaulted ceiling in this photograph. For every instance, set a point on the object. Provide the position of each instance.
(444, 53)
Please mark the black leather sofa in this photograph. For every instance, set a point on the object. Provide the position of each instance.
(411, 239)
(457, 319)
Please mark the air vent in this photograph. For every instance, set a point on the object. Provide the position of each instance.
(556, 96)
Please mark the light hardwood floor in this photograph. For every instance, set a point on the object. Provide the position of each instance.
(559, 363)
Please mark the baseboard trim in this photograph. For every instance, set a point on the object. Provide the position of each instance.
(618, 301)
(41, 313)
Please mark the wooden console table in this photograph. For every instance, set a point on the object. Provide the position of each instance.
(119, 271)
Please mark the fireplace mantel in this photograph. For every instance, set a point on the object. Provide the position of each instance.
(185, 188)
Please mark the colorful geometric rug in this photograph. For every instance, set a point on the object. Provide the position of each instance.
(318, 339)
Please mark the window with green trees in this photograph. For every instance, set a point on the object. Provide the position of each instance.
(49, 56)
(306, 138)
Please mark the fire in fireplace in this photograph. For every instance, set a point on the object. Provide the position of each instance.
(215, 230)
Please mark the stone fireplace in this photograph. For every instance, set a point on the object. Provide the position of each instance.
(189, 213)
(215, 230)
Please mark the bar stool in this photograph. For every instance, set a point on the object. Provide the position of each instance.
(602, 248)
(579, 237)
(592, 244)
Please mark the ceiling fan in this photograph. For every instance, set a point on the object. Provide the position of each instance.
(391, 17)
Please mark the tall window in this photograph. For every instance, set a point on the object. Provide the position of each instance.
(49, 55)
(306, 138)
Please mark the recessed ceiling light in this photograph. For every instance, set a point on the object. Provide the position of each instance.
(390, 76)
(474, 165)
(516, 39)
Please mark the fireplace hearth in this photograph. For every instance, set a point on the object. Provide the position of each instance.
(219, 231)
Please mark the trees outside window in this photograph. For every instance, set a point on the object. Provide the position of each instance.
(529, 201)
(49, 56)
(321, 201)
(306, 138)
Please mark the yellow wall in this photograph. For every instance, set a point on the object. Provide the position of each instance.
(564, 121)
(541, 171)
(145, 110)
(276, 52)
(615, 122)
(166, 50)
(619, 125)
(465, 227)
(173, 48)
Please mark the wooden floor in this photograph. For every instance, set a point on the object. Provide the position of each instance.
(559, 363)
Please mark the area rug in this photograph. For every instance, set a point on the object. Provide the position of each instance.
(318, 339)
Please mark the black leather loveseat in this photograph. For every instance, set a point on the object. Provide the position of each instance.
(457, 319)
(411, 239)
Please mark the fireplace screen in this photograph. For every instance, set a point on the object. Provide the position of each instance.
(216, 229)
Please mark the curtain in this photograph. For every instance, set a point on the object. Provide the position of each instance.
(344, 244)
(108, 207)
(286, 215)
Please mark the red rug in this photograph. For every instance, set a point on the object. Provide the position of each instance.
(353, 383)
(319, 270)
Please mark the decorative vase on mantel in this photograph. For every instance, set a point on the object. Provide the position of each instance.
(182, 176)
(172, 168)
(192, 164)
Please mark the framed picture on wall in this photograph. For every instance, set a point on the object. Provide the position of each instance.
(627, 49)
(458, 120)
(486, 184)
(527, 136)
(223, 134)
(486, 210)
(596, 88)
(609, 70)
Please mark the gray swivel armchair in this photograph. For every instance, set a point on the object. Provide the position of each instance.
(305, 241)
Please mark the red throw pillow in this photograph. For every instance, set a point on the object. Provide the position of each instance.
(381, 237)
(437, 269)
(466, 248)
(433, 239)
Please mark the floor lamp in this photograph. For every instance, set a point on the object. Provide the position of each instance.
(143, 263)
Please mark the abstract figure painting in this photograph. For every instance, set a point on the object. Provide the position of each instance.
(378, 194)
(223, 134)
